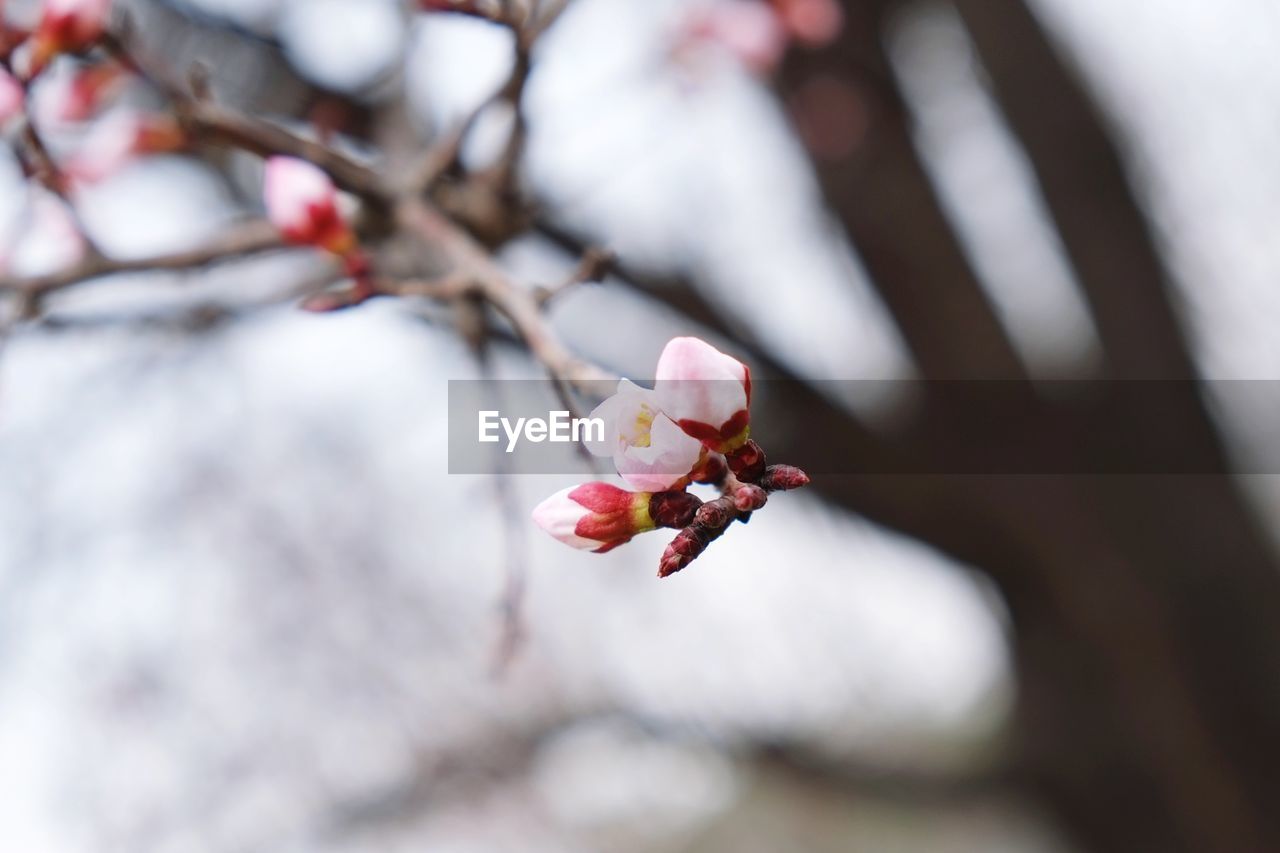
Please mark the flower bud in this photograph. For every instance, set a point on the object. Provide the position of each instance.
(711, 469)
(595, 516)
(674, 509)
(66, 26)
(783, 478)
(119, 138)
(747, 462)
(749, 497)
(706, 392)
(686, 547)
(752, 32)
(303, 204)
(648, 449)
(813, 22)
(80, 94)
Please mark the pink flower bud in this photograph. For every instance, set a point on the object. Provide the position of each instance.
(747, 462)
(748, 30)
(783, 478)
(119, 138)
(78, 96)
(686, 547)
(12, 98)
(813, 22)
(595, 516)
(749, 497)
(66, 26)
(707, 393)
(303, 203)
(648, 449)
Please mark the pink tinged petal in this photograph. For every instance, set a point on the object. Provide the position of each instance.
(814, 22)
(648, 449)
(73, 24)
(558, 515)
(665, 463)
(705, 391)
(751, 32)
(12, 98)
(303, 203)
(594, 516)
(619, 413)
(66, 95)
(120, 137)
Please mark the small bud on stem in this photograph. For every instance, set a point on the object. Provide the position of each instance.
(747, 462)
(783, 478)
(673, 509)
(749, 497)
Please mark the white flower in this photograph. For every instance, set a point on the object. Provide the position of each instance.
(648, 449)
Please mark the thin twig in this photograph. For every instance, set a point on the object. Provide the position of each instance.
(249, 239)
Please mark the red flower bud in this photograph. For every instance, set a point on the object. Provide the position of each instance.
(595, 516)
(749, 497)
(683, 550)
(673, 509)
(783, 478)
(66, 26)
(712, 469)
(747, 462)
(303, 203)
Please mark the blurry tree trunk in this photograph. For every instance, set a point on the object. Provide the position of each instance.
(1146, 608)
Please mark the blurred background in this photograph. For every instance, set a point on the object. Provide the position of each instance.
(244, 607)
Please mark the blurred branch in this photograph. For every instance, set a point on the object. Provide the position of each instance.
(248, 239)
(1086, 188)
(861, 779)
(875, 183)
(470, 262)
(206, 119)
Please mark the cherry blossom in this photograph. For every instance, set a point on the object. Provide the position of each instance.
(302, 202)
(706, 392)
(648, 449)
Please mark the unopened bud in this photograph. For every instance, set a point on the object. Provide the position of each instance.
(747, 462)
(749, 497)
(595, 516)
(716, 514)
(66, 26)
(673, 509)
(712, 469)
(681, 551)
(783, 478)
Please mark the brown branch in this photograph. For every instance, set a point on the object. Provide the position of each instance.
(881, 193)
(1086, 189)
(205, 118)
(248, 239)
(470, 262)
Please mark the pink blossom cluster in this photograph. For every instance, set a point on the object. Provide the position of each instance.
(693, 426)
(78, 91)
